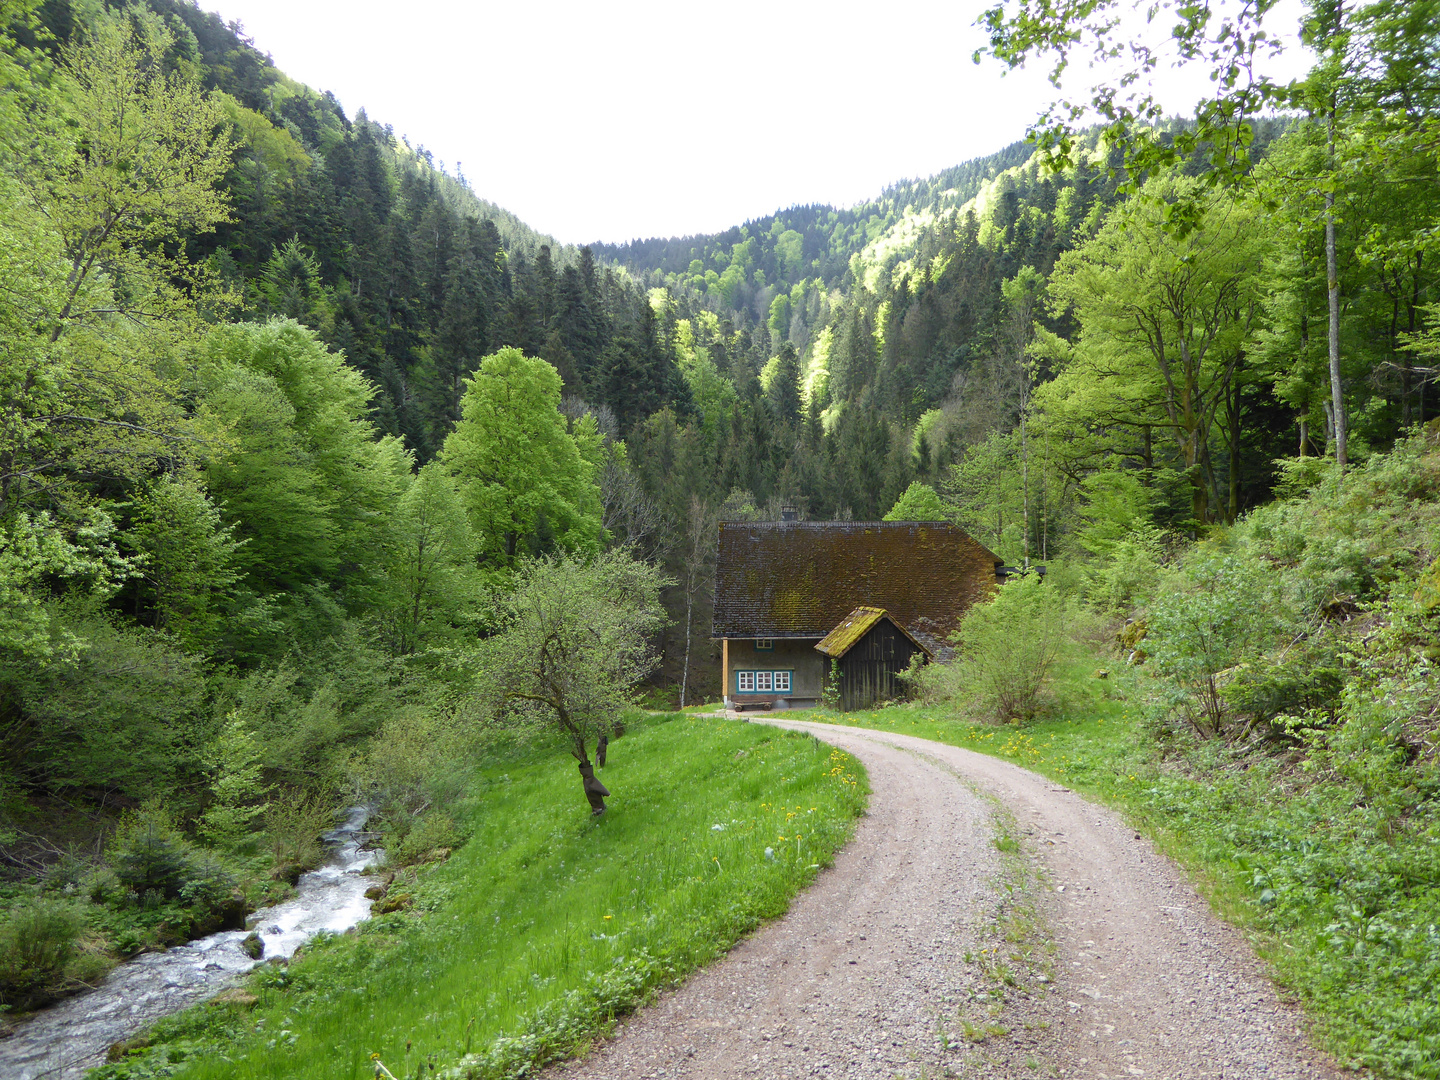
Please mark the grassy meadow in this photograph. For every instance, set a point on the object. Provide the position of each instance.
(548, 923)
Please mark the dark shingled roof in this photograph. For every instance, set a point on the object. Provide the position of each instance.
(800, 579)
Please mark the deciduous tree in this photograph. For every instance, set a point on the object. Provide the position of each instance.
(527, 482)
(575, 643)
(1163, 322)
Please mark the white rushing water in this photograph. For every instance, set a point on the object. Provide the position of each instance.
(73, 1035)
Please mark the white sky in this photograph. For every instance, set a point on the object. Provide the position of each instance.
(610, 121)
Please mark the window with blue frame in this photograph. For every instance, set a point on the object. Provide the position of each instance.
(764, 682)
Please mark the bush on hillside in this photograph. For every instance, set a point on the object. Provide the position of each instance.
(434, 830)
(1131, 570)
(1296, 689)
(294, 824)
(1219, 612)
(41, 953)
(155, 862)
(1006, 652)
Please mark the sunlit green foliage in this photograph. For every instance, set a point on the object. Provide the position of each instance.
(527, 482)
(919, 503)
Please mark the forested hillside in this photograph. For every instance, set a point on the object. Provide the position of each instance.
(299, 436)
(337, 223)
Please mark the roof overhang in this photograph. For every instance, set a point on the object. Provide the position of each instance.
(855, 626)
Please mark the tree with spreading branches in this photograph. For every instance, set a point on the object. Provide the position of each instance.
(575, 643)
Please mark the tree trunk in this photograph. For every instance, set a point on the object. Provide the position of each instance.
(1193, 456)
(1025, 490)
(685, 667)
(1411, 306)
(999, 500)
(595, 791)
(1045, 504)
(1234, 510)
(1332, 293)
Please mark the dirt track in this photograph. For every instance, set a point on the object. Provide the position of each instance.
(878, 968)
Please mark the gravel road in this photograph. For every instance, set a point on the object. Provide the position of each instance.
(895, 962)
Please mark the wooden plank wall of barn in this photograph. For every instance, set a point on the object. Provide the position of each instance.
(867, 671)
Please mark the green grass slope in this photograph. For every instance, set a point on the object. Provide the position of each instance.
(547, 924)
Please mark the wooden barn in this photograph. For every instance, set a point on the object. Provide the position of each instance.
(867, 649)
(792, 597)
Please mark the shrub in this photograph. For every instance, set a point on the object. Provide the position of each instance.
(1008, 649)
(123, 716)
(436, 829)
(294, 822)
(1130, 571)
(38, 942)
(830, 694)
(207, 885)
(153, 860)
(233, 759)
(1301, 685)
(1218, 613)
(419, 758)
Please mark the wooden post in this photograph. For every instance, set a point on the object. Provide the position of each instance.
(725, 671)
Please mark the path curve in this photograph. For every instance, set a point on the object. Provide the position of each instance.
(868, 974)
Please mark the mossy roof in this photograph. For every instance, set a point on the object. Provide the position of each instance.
(851, 629)
(802, 579)
(854, 627)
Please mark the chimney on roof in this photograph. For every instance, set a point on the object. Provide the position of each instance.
(789, 513)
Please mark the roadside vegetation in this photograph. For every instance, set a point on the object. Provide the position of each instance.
(549, 922)
(1265, 705)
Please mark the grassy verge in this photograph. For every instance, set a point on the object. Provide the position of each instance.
(547, 924)
(1337, 896)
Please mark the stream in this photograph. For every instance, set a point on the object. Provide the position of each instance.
(73, 1035)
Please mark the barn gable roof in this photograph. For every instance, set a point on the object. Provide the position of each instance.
(855, 626)
(789, 579)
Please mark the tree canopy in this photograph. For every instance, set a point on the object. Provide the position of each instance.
(529, 482)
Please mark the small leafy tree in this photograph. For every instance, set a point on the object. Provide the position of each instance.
(1009, 647)
(1199, 632)
(527, 481)
(574, 645)
(430, 567)
(235, 784)
(920, 503)
(149, 853)
(190, 556)
(698, 554)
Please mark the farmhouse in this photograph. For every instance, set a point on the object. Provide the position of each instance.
(793, 597)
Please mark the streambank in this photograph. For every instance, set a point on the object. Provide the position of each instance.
(72, 1036)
